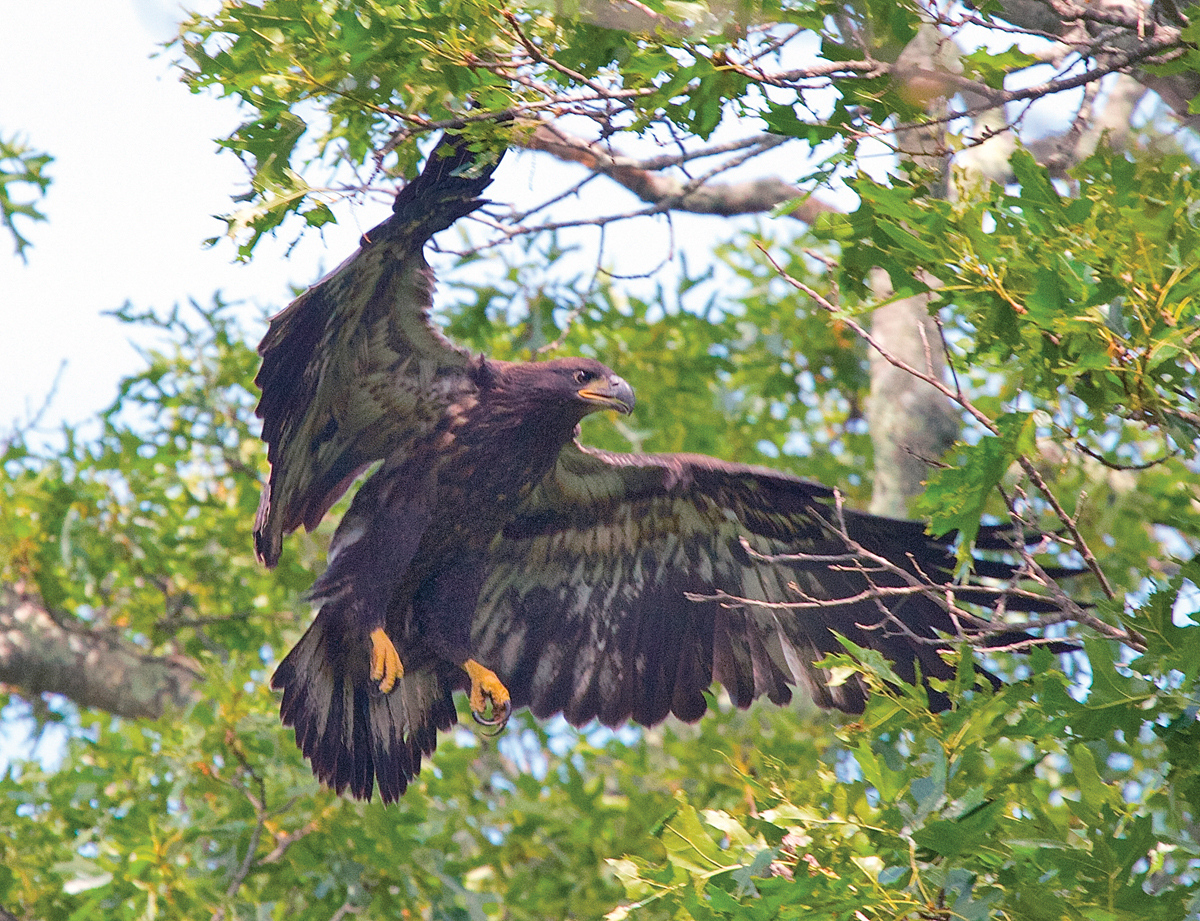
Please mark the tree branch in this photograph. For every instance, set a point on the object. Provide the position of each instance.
(645, 181)
(1058, 19)
(912, 424)
(1078, 543)
(95, 670)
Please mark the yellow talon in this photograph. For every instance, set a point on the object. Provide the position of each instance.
(386, 667)
(485, 688)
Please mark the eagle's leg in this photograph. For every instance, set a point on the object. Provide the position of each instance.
(487, 688)
(386, 667)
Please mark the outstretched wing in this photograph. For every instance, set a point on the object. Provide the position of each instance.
(590, 604)
(353, 369)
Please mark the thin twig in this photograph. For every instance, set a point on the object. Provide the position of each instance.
(960, 398)
(258, 801)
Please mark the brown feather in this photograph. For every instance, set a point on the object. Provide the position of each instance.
(608, 553)
(353, 370)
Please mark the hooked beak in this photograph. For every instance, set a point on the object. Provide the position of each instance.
(611, 394)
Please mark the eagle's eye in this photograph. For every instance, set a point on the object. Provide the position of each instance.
(582, 377)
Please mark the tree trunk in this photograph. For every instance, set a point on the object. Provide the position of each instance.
(911, 423)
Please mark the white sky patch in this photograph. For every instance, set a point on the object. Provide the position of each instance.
(137, 180)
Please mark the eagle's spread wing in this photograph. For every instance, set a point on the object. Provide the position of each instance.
(353, 369)
(590, 606)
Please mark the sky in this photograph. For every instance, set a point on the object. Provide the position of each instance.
(81, 85)
(137, 180)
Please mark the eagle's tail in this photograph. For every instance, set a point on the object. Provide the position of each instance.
(354, 735)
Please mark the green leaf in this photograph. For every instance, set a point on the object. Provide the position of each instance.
(23, 182)
(1169, 645)
(956, 497)
(952, 838)
(690, 847)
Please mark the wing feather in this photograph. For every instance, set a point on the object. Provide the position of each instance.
(353, 370)
(589, 607)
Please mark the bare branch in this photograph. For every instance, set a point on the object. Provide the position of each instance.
(698, 197)
(982, 418)
(258, 800)
(972, 629)
(1060, 20)
(628, 16)
(345, 909)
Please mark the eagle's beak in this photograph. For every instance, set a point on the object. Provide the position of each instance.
(611, 394)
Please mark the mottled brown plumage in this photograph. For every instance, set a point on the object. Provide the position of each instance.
(489, 540)
(352, 370)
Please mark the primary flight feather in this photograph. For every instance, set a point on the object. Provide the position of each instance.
(493, 553)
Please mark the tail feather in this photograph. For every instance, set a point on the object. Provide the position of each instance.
(355, 736)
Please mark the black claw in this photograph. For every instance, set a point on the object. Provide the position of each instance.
(497, 721)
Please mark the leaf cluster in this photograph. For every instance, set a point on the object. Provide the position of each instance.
(347, 85)
(23, 182)
(1070, 317)
(1027, 803)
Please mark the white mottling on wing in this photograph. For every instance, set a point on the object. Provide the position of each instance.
(547, 668)
(578, 575)
(610, 676)
(583, 597)
(347, 738)
(752, 586)
(316, 688)
(798, 668)
(347, 538)
(382, 725)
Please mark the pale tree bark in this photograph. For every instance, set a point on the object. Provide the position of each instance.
(911, 423)
(1118, 37)
(1103, 118)
(39, 654)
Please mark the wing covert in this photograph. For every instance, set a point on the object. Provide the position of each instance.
(354, 369)
(590, 605)
(586, 609)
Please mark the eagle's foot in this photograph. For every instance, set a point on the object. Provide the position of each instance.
(386, 667)
(487, 689)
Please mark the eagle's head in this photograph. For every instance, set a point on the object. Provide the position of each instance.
(586, 384)
(570, 388)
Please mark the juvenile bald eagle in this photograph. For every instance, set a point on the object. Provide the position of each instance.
(492, 552)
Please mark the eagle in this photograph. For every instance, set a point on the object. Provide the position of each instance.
(492, 552)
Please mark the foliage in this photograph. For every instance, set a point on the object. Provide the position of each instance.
(343, 84)
(23, 181)
(1009, 804)
(1097, 332)
(1107, 315)
(1069, 306)
(1029, 801)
